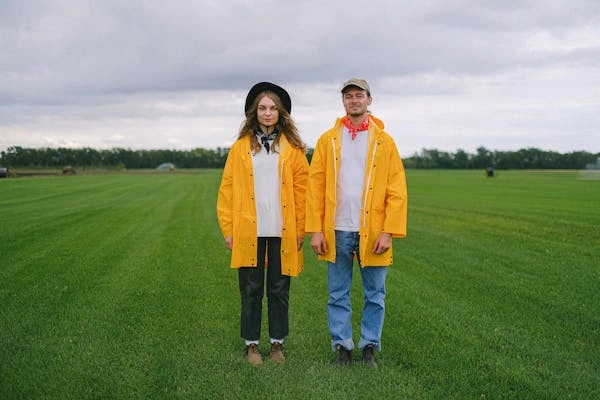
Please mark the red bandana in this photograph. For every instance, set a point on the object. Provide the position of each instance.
(364, 126)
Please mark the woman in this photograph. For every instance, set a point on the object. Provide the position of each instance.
(261, 209)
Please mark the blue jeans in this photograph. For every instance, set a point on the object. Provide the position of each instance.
(339, 307)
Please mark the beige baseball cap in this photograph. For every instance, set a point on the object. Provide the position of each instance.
(360, 83)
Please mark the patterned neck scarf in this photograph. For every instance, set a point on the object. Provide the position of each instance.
(364, 126)
(265, 138)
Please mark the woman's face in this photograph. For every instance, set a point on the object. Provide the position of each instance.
(267, 112)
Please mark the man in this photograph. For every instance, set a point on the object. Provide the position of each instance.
(356, 204)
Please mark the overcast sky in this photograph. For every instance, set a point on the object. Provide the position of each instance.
(449, 75)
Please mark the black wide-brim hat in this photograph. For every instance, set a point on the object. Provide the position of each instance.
(264, 86)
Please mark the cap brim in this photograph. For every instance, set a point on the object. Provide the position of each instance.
(354, 85)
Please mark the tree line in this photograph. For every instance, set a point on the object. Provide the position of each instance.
(117, 158)
(120, 158)
(529, 158)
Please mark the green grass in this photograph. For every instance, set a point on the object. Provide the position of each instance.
(117, 286)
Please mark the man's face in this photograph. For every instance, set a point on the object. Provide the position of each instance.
(267, 112)
(356, 101)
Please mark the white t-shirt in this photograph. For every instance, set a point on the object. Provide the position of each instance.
(350, 181)
(267, 194)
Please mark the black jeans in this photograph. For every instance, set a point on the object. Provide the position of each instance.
(252, 290)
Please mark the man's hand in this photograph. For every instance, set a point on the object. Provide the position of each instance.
(383, 243)
(318, 243)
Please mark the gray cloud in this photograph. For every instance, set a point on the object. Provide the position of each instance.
(445, 74)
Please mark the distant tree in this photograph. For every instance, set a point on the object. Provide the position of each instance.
(461, 159)
(483, 159)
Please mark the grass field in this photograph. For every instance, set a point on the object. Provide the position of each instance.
(117, 286)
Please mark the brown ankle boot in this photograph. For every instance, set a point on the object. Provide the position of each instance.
(253, 355)
(276, 353)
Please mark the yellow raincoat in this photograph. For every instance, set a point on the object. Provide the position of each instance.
(384, 198)
(236, 208)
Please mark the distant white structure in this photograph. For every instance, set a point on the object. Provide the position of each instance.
(591, 171)
(166, 167)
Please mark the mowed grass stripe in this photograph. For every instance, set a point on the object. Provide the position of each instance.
(511, 289)
(118, 286)
(103, 274)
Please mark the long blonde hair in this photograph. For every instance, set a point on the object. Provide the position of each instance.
(285, 125)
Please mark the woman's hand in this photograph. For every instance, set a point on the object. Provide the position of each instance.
(299, 242)
(229, 242)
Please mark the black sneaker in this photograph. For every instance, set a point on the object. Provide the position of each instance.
(344, 356)
(369, 356)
